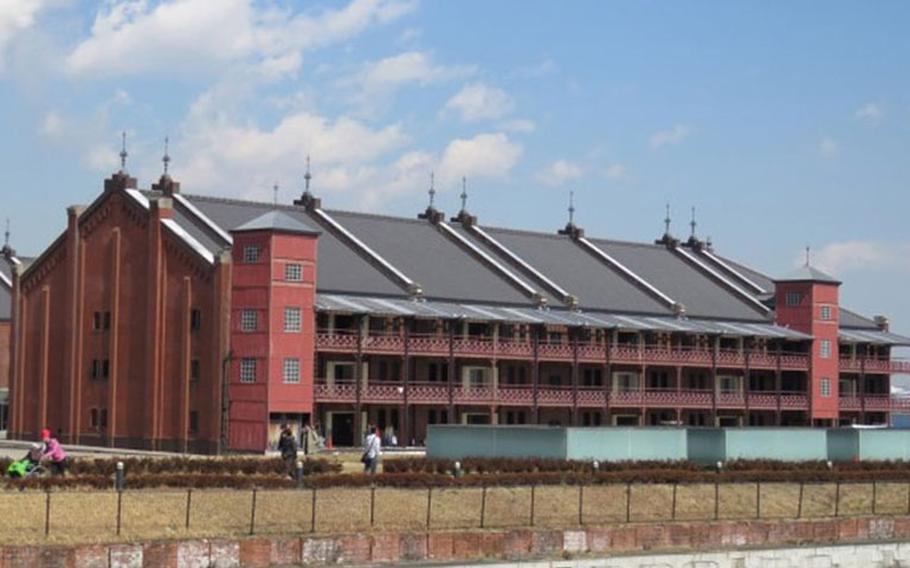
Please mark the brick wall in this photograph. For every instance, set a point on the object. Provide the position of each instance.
(4, 354)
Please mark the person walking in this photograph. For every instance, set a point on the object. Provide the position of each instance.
(372, 449)
(287, 446)
(54, 453)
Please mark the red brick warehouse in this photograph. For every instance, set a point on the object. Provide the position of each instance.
(192, 323)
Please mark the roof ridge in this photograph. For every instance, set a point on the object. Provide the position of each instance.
(379, 216)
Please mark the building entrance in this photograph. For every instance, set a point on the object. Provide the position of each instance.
(341, 428)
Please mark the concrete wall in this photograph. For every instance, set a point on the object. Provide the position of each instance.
(457, 442)
(619, 444)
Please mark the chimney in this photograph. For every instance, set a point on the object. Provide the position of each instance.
(883, 323)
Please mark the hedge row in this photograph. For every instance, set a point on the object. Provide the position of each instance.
(106, 467)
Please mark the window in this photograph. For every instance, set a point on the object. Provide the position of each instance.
(101, 321)
(293, 272)
(97, 418)
(194, 421)
(96, 322)
(794, 298)
(101, 368)
(826, 387)
(249, 320)
(247, 370)
(194, 370)
(292, 319)
(102, 419)
(292, 371)
(195, 320)
(825, 347)
(93, 418)
(826, 312)
(250, 254)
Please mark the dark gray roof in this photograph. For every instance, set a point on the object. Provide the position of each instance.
(702, 296)
(277, 221)
(340, 269)
(750, 273)
(809, 273)
(6, 299)
(597, 286)
(197, 230)
(421, 252)
(851, 319)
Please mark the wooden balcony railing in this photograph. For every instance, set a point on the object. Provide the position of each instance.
(588, 352)
(885, 366)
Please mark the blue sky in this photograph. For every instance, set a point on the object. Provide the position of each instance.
(785, 124)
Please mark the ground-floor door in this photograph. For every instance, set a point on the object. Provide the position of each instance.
(340, 426)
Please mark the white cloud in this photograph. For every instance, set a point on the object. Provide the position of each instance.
(480, 102)
(671, 136)
(617, 172)
(52, 125)
(861, 255)
(828, 147)
(870, 113)
(132, 37)
(519, 125)
(559, 173)
(16, 16)
(485, 155)
(408, 67)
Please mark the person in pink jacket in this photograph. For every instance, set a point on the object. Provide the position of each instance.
(53, 451)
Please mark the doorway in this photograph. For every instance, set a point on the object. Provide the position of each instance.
(341, 428)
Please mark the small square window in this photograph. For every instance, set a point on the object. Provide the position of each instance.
(107, 320)
(826, 312)
(194, 422)
(102, 420)
(247, 370)
(293, 272)
(106, 368)
(93, 418)
(250, 254)
(249, 320)
(194, 370)
(292, 371)
(826, 387)
(96, 321)
(292, 321)
(794, 298)
(825, 347)
(195, 320)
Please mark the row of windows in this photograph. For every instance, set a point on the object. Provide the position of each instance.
(293, 320)
(101, 369)
(796, 298)
(293, 272)
(290, 370)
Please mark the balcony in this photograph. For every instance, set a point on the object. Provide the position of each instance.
(563, 351)
(883, 366)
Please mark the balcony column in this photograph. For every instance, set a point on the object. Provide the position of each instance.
(747, 378)
(405, 411)
(608, 376)
(535, 375)
(642, 381)
(494, 410)
(451, 377)
(714, 347)
(358, 382)
(862, 385)
(573, 337)
(778, 385)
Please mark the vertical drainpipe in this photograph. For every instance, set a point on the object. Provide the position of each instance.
(715, 346)
(778, 383)
(406, 423)
(114, 336)
(862, 384)
(608, 375)
(535, 373)
(747, 379)
(574, 336)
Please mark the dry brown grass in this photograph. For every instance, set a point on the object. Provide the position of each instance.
(818, 500)
(779, 500)
(83, 516)
(695, 502)
(342, 510)
(153, 514)
(281, 511)
(456, 508)
(651, 502)
(604, 504)
(401, 509)
(23, 517)
(891, 498)
(556, 506)
(737, 501)
(508, 507)
(855, 499)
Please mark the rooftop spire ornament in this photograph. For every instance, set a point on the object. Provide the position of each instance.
(464, 193)
(667, 221)
(166, 159)
(6, 235)
(123, 153)
(275, 194)
(571, 208)
(432, 191)
(807, 255)
(692, 223)
(307, 177)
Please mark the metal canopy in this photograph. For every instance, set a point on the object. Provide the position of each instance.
(398, 307)
(873, 336)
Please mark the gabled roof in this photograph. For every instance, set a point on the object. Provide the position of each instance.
(807, 273)
(277, 221)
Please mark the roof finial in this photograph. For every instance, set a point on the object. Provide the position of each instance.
(667, 221)
(123, 153)
(166, 159)
(807, 255)
(692, 223)
(6, 235)
(275, 194)
(464, 193)
(307, 177)
(571, 208)
(432, 191)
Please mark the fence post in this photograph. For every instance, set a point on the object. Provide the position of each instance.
(253, 514)
(673, 506)
(581, 504)
(189, 506)
(799, 506)
(628, 502)
(874, 495)
(313, 513)
(533, 502)
(837, 499)
(119, 510)
(47, 512)
(483, 505)
(429, 505)
(716, 501)
(758, 499)
(372, 504)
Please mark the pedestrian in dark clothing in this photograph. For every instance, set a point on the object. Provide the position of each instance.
(287, 445)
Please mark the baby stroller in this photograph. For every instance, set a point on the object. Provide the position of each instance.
(29, 466)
